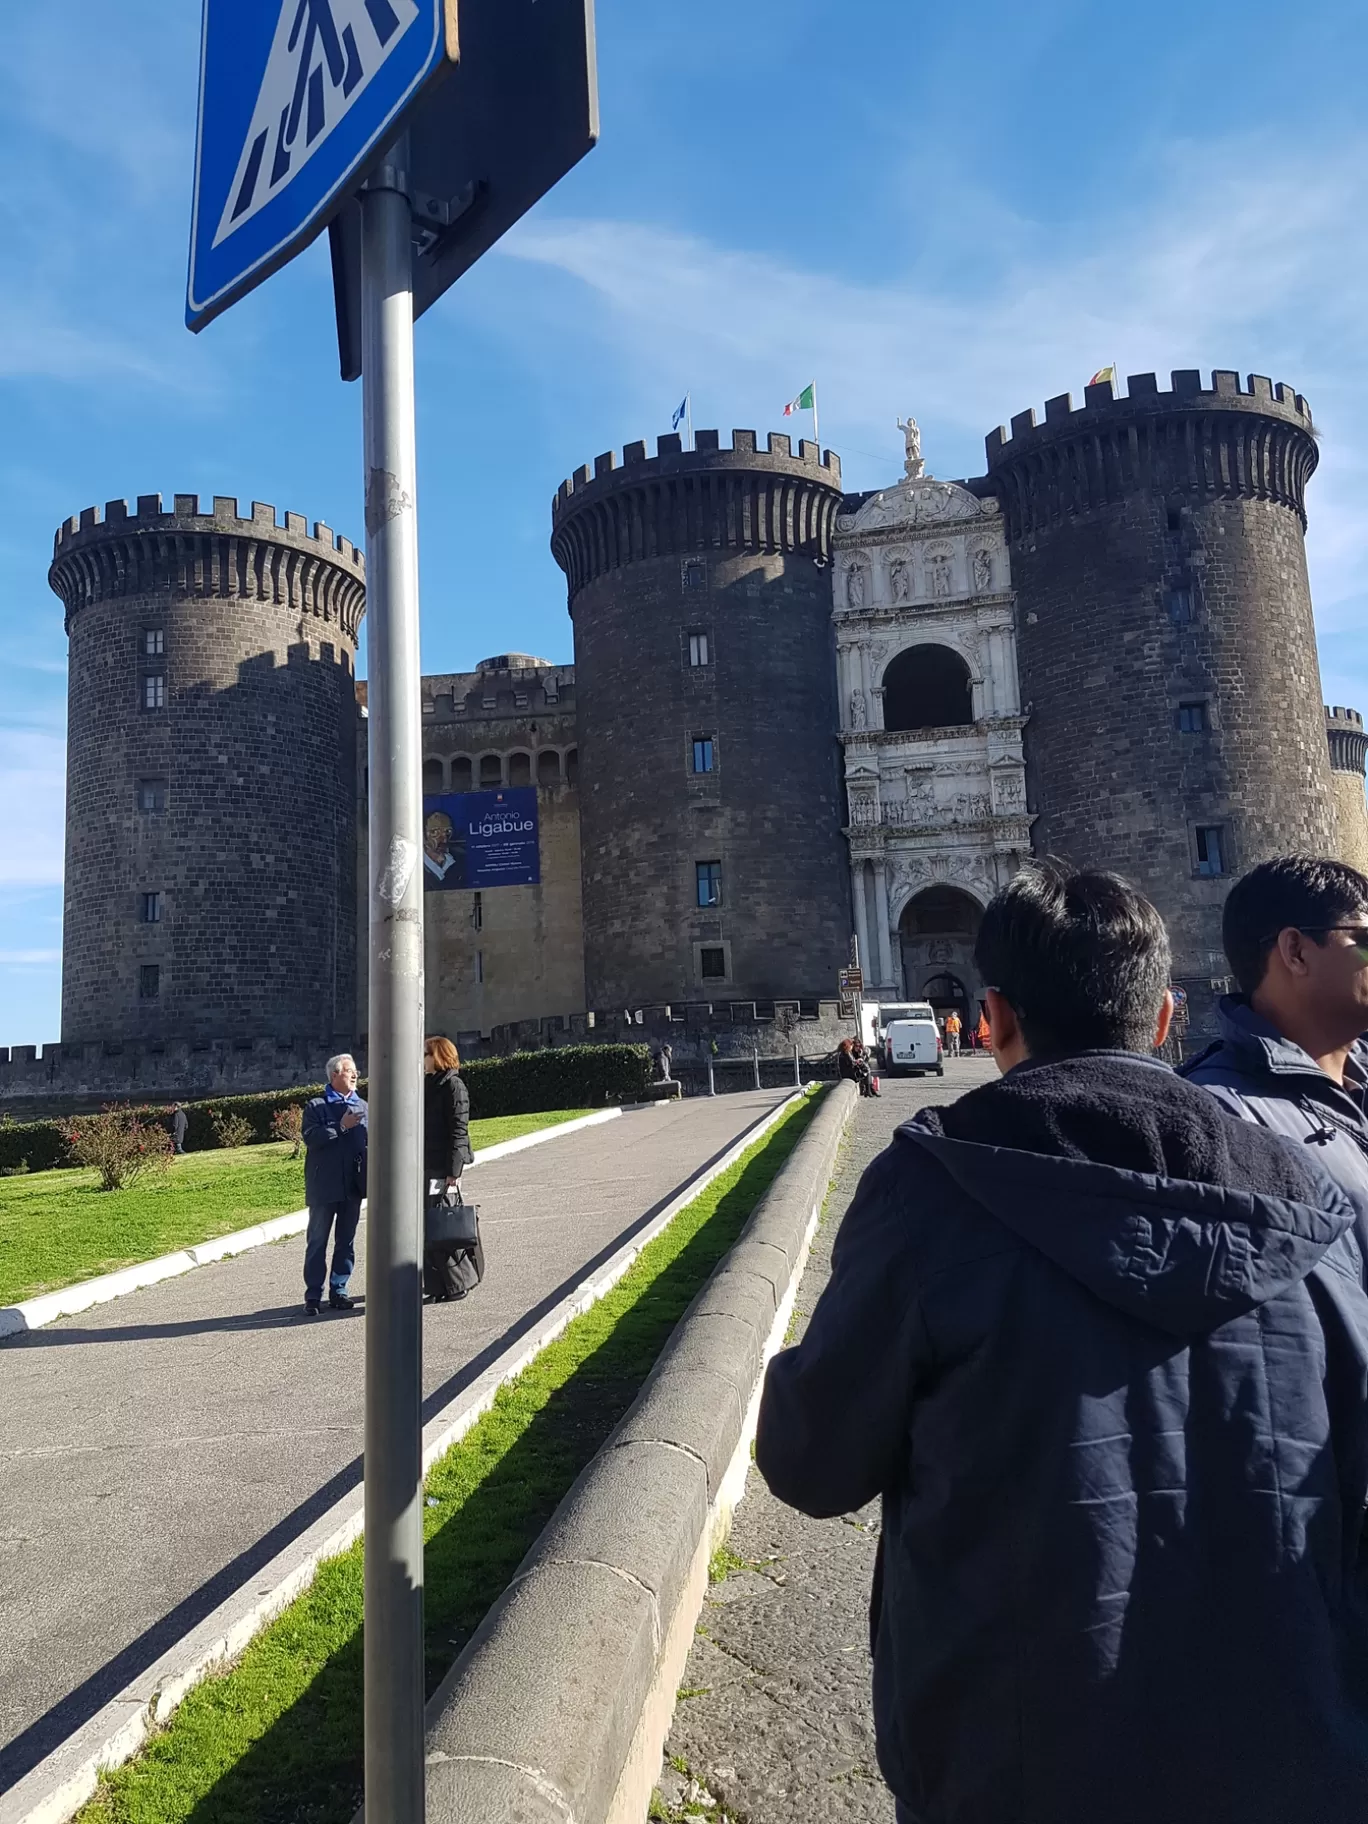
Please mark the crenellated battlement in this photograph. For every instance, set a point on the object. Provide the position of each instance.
(1189, 444)
(104, 555)
(1348, 740)
(671, 459)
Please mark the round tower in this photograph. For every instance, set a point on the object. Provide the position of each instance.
(1165, 640)
(211, 773)
(1348, 750)
(705, 678)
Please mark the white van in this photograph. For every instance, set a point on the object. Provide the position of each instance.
(912, 1045)
(879, 1016)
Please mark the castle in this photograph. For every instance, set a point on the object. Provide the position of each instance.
(796, 718)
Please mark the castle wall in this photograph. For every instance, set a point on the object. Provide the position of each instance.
(700, 600)
(1165, 640)
(210, 747)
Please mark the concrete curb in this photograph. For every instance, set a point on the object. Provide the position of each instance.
(34, 1313)
(558, 1709)
(62, 1782)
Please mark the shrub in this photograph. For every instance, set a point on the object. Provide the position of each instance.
(119, 1145)
(39, 1144)
(288, 1124)
(233, 1130)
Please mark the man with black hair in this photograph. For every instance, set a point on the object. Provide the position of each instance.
(1103, 1352)
(1291, 1055)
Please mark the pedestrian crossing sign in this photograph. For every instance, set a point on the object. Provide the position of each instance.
(298, 98)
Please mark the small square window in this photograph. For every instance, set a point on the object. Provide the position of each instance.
(695, 573)
(151, 908)
(154, 642)
(1180, 606)
(1175, 519)
(698, 649)
(1192, 718)
(154, 690)
(712, 963)
(151, 794)
(1211, 847)
(709, 879)
(149, 982)
(702, 754)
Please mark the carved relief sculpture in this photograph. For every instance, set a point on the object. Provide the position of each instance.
(983, 570)
(855, 586)
(858, 712)
(899, 583)
(940, 570)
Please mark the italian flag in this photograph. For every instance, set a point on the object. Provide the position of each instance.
(804, 402)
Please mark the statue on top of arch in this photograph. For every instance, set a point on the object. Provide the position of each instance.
(913, 466)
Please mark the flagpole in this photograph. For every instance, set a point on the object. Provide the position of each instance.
(816, 434)
(688, 418)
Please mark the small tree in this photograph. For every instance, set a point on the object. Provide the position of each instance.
(288, 1124)
(231, 1130)
(119, 1145)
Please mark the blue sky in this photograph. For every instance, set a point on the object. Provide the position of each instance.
(951, 211)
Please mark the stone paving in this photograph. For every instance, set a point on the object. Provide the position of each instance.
(773, 1723)
(155, 1452)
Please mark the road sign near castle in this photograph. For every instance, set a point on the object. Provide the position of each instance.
(297, 99)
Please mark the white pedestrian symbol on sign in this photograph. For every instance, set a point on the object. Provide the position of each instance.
(323, 55)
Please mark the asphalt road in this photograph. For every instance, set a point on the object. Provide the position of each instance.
(776, 1724)
(156, 1451)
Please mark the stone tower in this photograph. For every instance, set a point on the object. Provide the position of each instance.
(1348, 749)
(211, 774)
(710, 795)
(1165, 640)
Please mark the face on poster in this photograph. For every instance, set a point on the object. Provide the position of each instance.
(481, 839)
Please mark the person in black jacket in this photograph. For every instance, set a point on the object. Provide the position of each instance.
(446, 1152)
(1103, 1351)
(335, 1131)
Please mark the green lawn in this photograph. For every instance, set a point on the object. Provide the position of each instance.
(277, 1740)
(59, 1227)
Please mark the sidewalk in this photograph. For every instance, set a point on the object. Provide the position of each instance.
(774, 1723)
(158, 1451)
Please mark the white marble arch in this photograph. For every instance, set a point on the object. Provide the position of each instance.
(908, 639)
(903, 892)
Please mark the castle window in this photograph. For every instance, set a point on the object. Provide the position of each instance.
(927, 687)
(151, 908)
(1211, 848)
(1175, 519)
(572, 766)
(154, 642)
(1192, 718)
(548, 767)
(491, 771)
(1180, 607)
(520, 769)
(432, 775)
(709, 882)
(695, 573)
(477, 912)
(702, 753)
(479, 966)
(698, 649)
(712, 963)
(151, 794)
(460, 773)
(149, 982)
(154, 690)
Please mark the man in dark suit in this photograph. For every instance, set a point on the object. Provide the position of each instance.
(335, 1136)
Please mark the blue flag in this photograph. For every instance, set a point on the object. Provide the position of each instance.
(683, 407)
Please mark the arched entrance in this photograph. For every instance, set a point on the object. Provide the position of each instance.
(937, 931)
(927, 687)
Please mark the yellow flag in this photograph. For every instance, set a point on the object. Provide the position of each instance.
(1103, 373)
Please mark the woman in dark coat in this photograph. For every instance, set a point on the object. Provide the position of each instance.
(446, 1152)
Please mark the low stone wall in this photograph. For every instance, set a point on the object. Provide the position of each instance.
(70, 1079)
(559, 1705)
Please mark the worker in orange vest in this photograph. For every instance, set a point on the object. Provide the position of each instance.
(982, 1034)
(954, 1026)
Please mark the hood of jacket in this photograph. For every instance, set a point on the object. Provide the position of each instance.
(1139, 1186)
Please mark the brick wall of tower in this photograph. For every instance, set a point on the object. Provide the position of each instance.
(731, 545)
(253, 849)
(1348, 745)
(1158, 557)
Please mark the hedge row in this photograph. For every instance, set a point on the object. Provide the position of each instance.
(528, 1083)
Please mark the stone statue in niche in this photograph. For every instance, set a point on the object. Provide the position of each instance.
(913, 466)
(855, 586)
(940, 570)
(899, 583)
(983, 571)
(858, 713)
(862, 808)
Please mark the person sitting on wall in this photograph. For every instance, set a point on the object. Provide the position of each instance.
(1291, 1055)
(1102, 1351)
(335, 1135)
(853, 1066)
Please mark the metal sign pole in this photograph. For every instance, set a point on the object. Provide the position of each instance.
(393, 1492)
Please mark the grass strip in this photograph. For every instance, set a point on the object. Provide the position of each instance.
(57, 1228)
(277, 1739)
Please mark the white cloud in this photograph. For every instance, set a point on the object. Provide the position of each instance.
(1242, 254)
(32, 789)
(22, 959)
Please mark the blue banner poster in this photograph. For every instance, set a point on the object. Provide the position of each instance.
(481, 839)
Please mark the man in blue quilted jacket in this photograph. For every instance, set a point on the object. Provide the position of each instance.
(1102, 1349)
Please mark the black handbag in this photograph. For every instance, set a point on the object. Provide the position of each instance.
(448, 1219)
